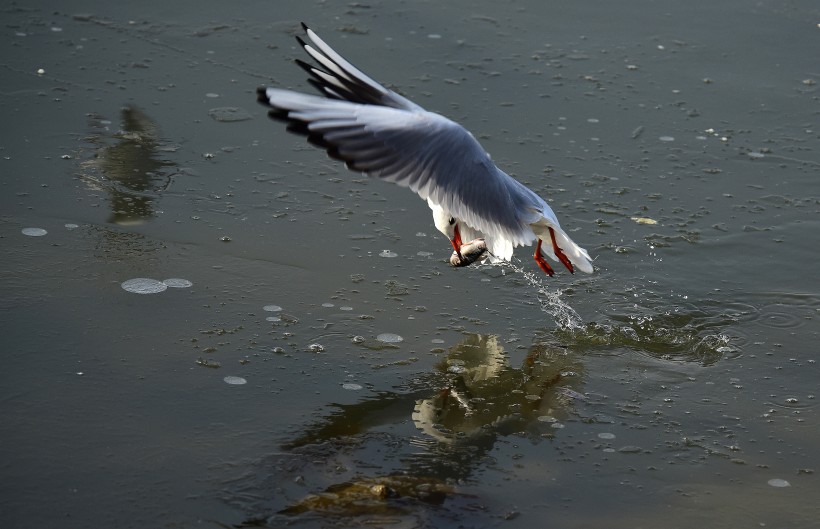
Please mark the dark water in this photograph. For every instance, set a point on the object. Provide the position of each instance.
(676, 386)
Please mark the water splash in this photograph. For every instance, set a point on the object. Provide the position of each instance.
(565, 316)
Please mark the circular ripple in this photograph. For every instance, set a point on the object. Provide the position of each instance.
(775, 316)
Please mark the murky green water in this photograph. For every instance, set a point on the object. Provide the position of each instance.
(264, 382)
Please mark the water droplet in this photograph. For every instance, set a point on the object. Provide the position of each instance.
(272, 308)
(273, 318)
(327, 305)
(388, 253)
(352, 387)
(143, 285)
(345, 308)
(33, 232)
(547, 418)
(316, 348)
(606, 435)
(666, 138)
(71, 226)
(236, 381)
(437, 340)
(357, 339)
(777, 482)
(176, 282)
(387, 337)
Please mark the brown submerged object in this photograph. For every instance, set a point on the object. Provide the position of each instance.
(373, 496)
(471, 252)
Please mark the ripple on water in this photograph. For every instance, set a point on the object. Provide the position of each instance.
(676, 335)
(787, 311)
(229, 114)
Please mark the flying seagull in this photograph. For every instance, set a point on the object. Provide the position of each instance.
(376, 131)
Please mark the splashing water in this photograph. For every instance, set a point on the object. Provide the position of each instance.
(565, 316)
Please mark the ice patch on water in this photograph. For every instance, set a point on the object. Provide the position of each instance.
(777, 482)
(176, 282)
(388, 337)
(33, 232)
(143, 285)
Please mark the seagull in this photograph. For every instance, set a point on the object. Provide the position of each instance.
(377, 131)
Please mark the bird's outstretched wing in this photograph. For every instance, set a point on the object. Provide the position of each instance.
(339, 79)
(377, 131)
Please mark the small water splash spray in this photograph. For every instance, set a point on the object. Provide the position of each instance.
(565, 316)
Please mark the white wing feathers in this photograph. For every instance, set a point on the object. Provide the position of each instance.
(376, 131)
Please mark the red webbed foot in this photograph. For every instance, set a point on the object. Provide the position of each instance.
(559, 253)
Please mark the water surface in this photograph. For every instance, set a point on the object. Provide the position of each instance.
(302, 341)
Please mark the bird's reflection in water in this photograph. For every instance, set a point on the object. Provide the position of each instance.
(485, 396)
(129, 165)
(365, 459)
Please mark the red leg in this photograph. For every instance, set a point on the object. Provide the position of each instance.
(539, 259)
(560, 253)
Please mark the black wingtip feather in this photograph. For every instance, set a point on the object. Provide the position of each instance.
(262, 95)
